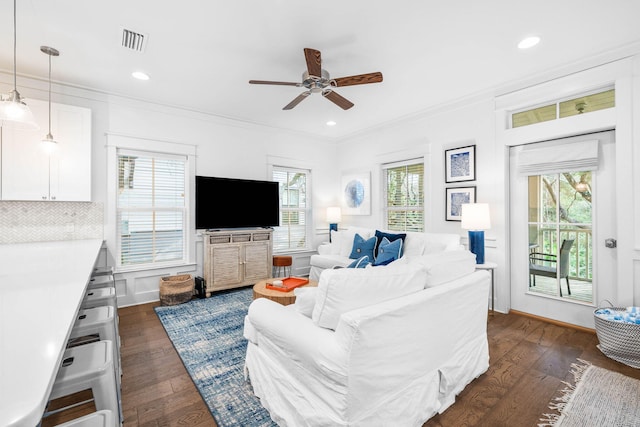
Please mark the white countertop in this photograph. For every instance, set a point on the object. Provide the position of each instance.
(41, 287)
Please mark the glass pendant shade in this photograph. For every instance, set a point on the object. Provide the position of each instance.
(14, 112)
(49, 144)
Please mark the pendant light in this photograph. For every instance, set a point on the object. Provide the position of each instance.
(48, 140)
(14, 112)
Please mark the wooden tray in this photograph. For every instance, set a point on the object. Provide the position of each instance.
(288, 284)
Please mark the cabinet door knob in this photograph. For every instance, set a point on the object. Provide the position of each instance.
(53, 197)
(44, 197)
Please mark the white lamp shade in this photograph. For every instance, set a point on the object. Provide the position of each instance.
(16, 115)
(334, 214)
(475, 216)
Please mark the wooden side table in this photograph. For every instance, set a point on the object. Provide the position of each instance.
(285, 298)
(489, 266)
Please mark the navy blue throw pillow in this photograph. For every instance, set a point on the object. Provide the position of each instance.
(362, 247)
(391, 237)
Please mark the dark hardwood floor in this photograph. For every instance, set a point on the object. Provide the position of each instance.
(529, 359)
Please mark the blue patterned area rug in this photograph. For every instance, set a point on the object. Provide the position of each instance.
(207, 334)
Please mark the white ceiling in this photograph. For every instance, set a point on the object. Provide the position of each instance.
(201, 54)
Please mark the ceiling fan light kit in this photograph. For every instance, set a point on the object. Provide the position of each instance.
(317, 80)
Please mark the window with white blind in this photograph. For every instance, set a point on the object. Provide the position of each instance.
(293, 232)
(404, 195)
(151, 209)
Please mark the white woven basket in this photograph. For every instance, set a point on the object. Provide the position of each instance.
(618, 340)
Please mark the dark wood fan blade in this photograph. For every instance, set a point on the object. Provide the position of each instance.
(296, 101)
(340, 101)
(360, 79)
(314, 62)
(267, 82)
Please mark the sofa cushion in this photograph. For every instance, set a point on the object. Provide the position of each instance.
(362, 247)
(445, 266)
(439, 242)
(305, 300)
(361, 262)
(414, 243)
(329, 261)
(388, 251)
(390, 236)
(346, 289)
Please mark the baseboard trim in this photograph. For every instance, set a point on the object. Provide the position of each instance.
(554, 322)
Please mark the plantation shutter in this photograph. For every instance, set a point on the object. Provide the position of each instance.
(292, 232)
(404, 193)
(151, 210)
(574, 156)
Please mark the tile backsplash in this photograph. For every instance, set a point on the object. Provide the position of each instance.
(49, 221)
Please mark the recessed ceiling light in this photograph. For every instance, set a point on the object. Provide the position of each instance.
(331, 123)
(528, 42)
(140, 75)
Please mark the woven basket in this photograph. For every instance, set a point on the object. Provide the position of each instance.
(618, 340)
(176, 289)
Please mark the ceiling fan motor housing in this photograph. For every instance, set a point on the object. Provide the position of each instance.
(316, 84)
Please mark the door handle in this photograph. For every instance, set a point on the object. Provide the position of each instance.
(610, 243)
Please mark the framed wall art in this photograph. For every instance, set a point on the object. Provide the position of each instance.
(456, 196)
(356, 193)
(460, 164)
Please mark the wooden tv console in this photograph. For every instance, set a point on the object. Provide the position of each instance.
(235, 258)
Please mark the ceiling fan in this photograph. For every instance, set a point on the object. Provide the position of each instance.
(317, 80)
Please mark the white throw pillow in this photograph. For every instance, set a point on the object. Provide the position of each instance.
(305, 300)
(336, 242)
(346, 289)
(413, 244)
(446, 266)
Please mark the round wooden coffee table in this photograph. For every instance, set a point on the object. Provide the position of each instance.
(285, 298)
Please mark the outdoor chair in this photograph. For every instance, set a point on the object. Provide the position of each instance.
(541, 264)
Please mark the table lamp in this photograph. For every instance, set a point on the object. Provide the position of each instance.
(475, 218)
(334, 216)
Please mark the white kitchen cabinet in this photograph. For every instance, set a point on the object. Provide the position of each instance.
(29, 172)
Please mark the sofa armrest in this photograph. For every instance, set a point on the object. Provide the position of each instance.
(293, 337)
(413, 336)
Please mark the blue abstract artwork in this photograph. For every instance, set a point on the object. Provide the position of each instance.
(457, 199)
(460, 164)
(356, 194)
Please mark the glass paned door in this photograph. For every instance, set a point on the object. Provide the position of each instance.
(560, 235)
(553, 206)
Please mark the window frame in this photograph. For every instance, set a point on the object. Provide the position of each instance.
(386, 209)
(308, 209)
(154, 210)
(120, 143)
(556, 103)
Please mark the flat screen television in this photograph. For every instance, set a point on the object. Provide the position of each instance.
(236, 203)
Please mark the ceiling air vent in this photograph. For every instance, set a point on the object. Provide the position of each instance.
(133, 40)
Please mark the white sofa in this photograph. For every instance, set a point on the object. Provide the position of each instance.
(336, 253)
(372, 346)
